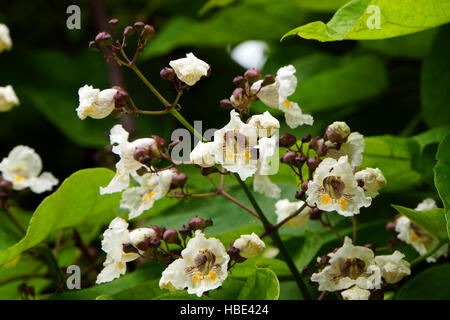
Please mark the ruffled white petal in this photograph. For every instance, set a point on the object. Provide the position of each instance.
(249, 245)
(189, 69)
(95, 103)
(8, 98)
(355, 293)
(5, 38)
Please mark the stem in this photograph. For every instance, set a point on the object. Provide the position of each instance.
(426, 255)
(276, 238)
(282, 222)
(354, 228)
(15, 220)
(240, 204)
(328, 224)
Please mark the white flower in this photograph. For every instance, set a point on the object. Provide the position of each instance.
(5, 39)
(349, 266)
(340, 129)
(266, 124)
(203, 266)
(275, 96)
(427, 204)
(127, 164)
(261, 181)
(355, 293)
(393, 267)
(419, 238)
(23, 168)
(141, 234)
(8, 98)
(284, 208)
(335, 188)
(203, 154)
(114, 238)
(95, 103)
(189, 69)
(373, 180)
(353, 148)
(249, 245)
(153, 186)
(235, 143)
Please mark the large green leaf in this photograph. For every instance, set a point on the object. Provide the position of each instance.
(322, 5)
(431, 284)
(218, 31)
(394, 157)
(431, 220)
(435, 81)
(262, 285)
(397, 17)
(442, 176)
(76, 200)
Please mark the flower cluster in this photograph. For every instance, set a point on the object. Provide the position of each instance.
(355, 270)
(8, 98)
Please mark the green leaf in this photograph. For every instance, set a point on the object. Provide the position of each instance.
(247, 268)
(394, 156)
(76, 200)
(310, 244)
(218, 31)
(431, 220)
(322, 5)
(262, 285)
(435, 81)
(431, 284)
(442, 176)
(355, 20)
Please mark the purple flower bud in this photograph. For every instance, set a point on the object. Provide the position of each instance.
(237, 93)
(305, 186)
(103, 38)
(313, 163)
(128, 31)
(287, 140)
(167, 74)
(390, 226)
(239, 81)
(289, 157)
(314, 143)
(148, 32)
(159, 231)
(171, 236)
(179, 180)
(299, 195)
(314, 213)
(113, 22)
(252, 75)
(226, 104)
(185, 231)
(306, 138)
(138, 25)
(198, 223)
(268, 80)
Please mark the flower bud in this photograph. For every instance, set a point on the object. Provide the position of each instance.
(314, 143)
(5, 185)
(128, 248)
(239, 81)
(226, 103)
(238, 93)
(93, 46)
(160, 141)
(299, 161)
(173, 144)
(141, 155)
(268, 79)
(314, 213)
(313, 163)
(306, 138)
(198, 223)
(287, 140)
(103, 38)
(167, 74)
(321, 149)
(289, 157)
(138, 25)
(171, 236)
(148, 32)
(207, 171)
(299, 195)
(179, 180)
(252, 75)
(113, 22)
(159, 231)
(185, 231)
(234, 254)
(338, 131)
(153, 242)
(305, 186)
(121, 98)
(128, 31)
(390, 226)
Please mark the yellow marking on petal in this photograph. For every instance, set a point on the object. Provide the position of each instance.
(229, 154)
(343, 204)
(414, 237)
(326, 198)
(121, 265)
(118, 172)
(287, 103)
(212, 276)
(150, 195)
(196, 276)
(19, 178)
(247, 155)
(89, 110)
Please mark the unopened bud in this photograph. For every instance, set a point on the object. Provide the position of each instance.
(238, 93)
(322, 150)
(185, 231)
(93, 46)
(159, 231)
(239, 81)
(198, 223)
(148, 32)
(390, 226)
(252, 75)
(173, 144)
(171, 236)
(314, 213)
(113, 22)
(305, 186)
(179, 180)
(121, 98)
(289, 157)
(287, 140)
(128, 31)
(103, 38)
(268, 80)
(338, 131)
(299, 195)
(313, 163)
(314, 143)
(306, 138)
(167, 74)
(5, 185)
(138, 25)
(299, 161)
(226, 103)
(234, 254)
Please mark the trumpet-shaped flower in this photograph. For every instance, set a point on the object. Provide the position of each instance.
(5, 39)
(276, 96)
(249, 245)
(23, 168)
(8, 98)
(189, 69)
(261, 181)
(203, 266)
(349, 266)
(203, 154)
(373, 180)
(284, 208)
(334, 188)
(419, 238)
(393, 267)
(353, 147)
(236, 144)
(114, 238)
(153, 186)
(127, 164)
(266, 124)
(95, 103)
